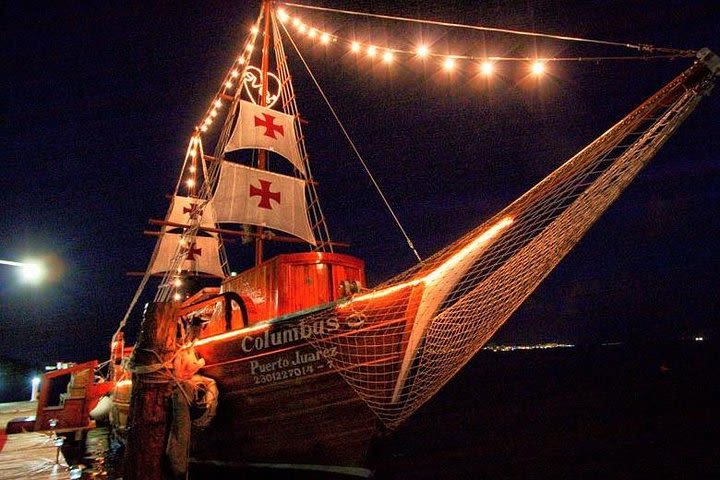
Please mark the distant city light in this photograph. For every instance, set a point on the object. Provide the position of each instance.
(699, 339)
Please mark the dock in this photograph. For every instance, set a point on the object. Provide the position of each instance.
(31, 456)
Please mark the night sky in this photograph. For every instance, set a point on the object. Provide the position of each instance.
(99, 100)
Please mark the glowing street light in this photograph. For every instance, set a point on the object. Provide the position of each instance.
(30, 271)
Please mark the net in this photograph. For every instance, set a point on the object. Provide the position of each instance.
(399, 343)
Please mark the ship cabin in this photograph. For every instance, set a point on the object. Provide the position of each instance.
(282, 285)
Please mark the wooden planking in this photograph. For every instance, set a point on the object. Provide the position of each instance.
(31, 456)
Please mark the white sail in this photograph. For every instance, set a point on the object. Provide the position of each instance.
(261, 127)
(199, 254)
(258, 197)
(183, 208)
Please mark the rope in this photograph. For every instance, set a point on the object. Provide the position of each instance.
(352, 144)
(639, 47)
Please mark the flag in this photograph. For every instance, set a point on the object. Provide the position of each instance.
(196, 254)
(261, 127)
(183, 208)
(258, 197)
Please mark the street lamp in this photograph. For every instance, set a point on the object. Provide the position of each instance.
(30, 271)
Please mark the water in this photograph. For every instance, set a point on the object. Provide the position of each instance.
(621, 411)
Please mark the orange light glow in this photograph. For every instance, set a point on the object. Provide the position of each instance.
(423, 51)
(387, 57)
(355, 47)
(538, 68)
(254, 30)
(324, 38)
(449, 64)
(312, 33)
(218, 103)
(233, 334)
(302, 28)
(487, 68)
(372, 49)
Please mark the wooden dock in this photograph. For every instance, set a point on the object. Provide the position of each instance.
(31, 456)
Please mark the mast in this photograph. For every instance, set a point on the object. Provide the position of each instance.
(262, 154)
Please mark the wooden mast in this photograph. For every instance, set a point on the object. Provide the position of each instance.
(262, 154)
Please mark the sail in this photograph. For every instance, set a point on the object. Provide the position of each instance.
(258, 197)
(261, 127)
(184, 208)
(200, 254)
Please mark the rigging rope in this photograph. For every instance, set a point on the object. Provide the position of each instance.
(640, 47)
(352, 144)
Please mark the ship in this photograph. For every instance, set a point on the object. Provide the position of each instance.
(298, 361)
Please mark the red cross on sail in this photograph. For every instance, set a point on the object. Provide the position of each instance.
(261, 127)
(257, 197)
(265, 194)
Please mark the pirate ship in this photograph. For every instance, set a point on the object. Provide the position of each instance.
(309, 362)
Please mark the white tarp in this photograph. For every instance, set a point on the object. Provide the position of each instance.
(250, 196)
(261, 127)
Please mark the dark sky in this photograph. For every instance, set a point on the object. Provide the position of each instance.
(99, 99)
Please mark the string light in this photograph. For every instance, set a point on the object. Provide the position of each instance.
(190, 182)
(235, 74)
(422, 51)
(302, 28)
(387, 57)
(487, 68)
(218, 103)
(538, 68)
(177, 282)
(254, 30)
(296, 22)
(283, 15)
(324, 38)
(372, 49)
(312, 33)
(193, 168)
(250, 47)
(228, 84)
(355, 47)
(449, 64)
(177, 297)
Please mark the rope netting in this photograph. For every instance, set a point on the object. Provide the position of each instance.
(399, 343)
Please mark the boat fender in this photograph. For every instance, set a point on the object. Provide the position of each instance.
(186, 363)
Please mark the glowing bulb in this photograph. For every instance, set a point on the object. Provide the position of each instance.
(254, 30)
(213, 113)
(32, 272)
(302, 28)
(387, 57)
(177, 282)
(296, 22)
(218, 103)
(324, 38)
(283, 15)
(241, 60)
(449, 64)
(372, 49)
(228, 84)
(355, 47)
(234, 74)
(177, 297)
(193, 153)
(487, 68)
(423, 51)
(190, 182)
(193, 169)
(249, 48)
(538, 68)
(204, 128)
(312, 33)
